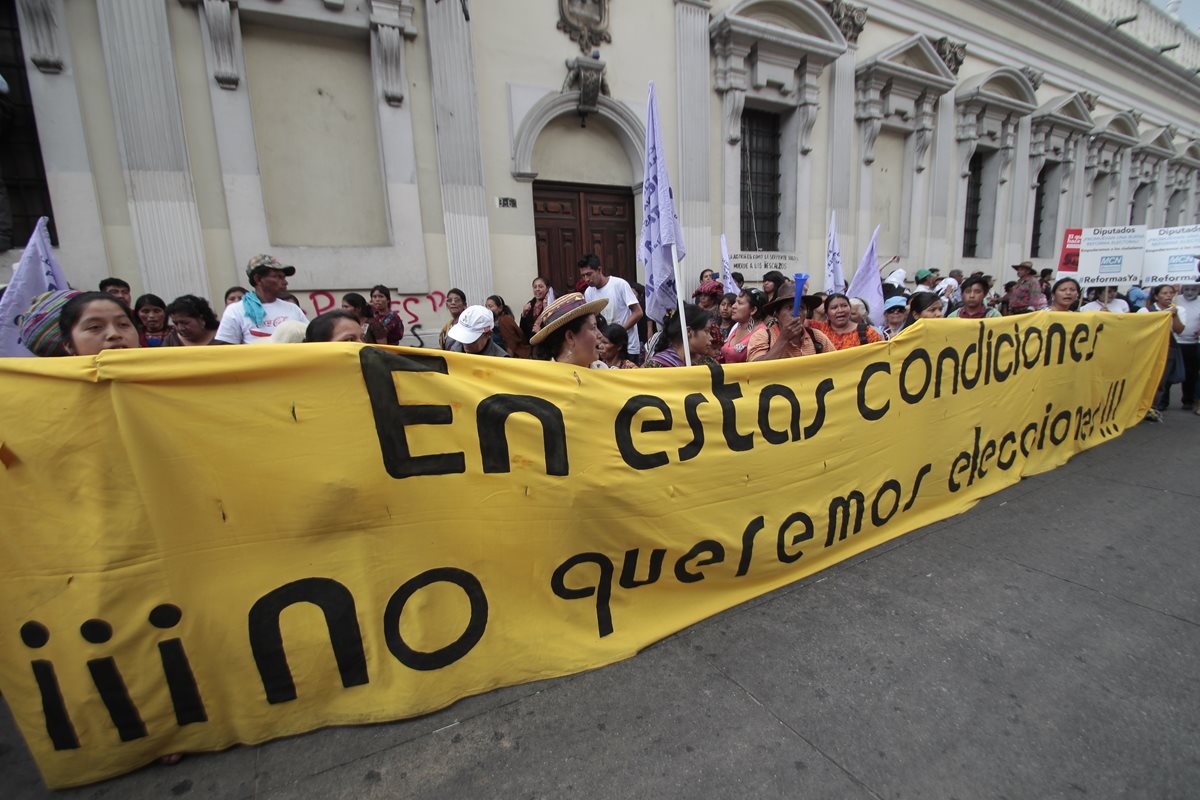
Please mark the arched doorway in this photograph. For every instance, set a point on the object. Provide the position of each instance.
(586, 176)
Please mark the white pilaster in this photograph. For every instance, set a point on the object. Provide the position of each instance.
(152, 146)
(460, 151)
(694, 75)
(61, 137)
(842, 130)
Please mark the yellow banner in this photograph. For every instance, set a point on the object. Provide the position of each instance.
(206, 546)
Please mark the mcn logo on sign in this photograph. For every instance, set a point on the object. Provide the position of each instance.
(1181, 264)
(1111, 263)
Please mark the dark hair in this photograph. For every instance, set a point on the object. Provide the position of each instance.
(697, 320)
(540, 278)
(548, 348)
(919, 302)
(776, 277)
(288, 297)
(321, 328)
(385, 291)
(974, 281)
(149, 300)
(461, 295)
(110, 282)
(589, 260)
(1154, 292)
(710, 272)
(71, 312)
(757, 298)
(1078, 289)
(190, 305)
(498, 301)
(233, 289)
(729, 297)
(1008, 286)
(359, 303)
(1047, 272)
(737, 277)
(619, 338)
(834, 296)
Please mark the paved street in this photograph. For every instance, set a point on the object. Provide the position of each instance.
(1045, 644)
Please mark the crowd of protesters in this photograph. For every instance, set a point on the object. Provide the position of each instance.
(601, 323)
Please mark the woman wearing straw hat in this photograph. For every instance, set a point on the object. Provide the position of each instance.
(567, 332)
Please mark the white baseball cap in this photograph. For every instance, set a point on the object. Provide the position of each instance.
(473, 322)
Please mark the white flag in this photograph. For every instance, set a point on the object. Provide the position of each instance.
(660, 224)
(866, 284)
(730, 284)
(38, 272)
(835, 281)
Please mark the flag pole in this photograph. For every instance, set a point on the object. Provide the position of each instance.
(683, 326)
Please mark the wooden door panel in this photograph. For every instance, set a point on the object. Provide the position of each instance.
(571, 220)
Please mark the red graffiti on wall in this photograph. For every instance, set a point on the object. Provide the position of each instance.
(420, 313)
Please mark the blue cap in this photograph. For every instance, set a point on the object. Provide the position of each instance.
(898, 301)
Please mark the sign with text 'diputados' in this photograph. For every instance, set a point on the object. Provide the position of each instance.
(207, 546)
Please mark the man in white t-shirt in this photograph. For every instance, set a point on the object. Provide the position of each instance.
(948, 288)
(261, 310)
(1188, 301)
(623, 307)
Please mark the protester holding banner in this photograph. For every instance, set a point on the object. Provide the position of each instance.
(669, 347)
(973, 292)
(92, 322)
(1189, 304)
(613, 347)
(567, 332)
(1106, 299)
(534, 308)
(193, 322)
(1162, 300)
(747, 316)
(840, 326)
(456, 301)
(1064, 295)
(787, 333)
(334, 326)
(385, 316)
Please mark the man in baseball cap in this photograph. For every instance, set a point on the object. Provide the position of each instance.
(262, 309)
(473, 333)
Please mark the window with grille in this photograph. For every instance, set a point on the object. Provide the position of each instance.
(974, 198)
(760, 180)
(1039, 212)
(26, 195)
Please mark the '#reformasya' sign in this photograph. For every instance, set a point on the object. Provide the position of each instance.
(222, 545)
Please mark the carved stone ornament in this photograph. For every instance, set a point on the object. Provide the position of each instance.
(923, 129)
(391, 24)
(952, 53)
(850, 19)
(1035, 76)
(586, 75)
(585, 21)
(868, 112)
(1090, 99)
(218, 16)
(38, 16)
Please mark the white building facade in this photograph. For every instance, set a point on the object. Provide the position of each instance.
(426, 144)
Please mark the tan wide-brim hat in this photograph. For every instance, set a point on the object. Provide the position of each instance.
(566, 308)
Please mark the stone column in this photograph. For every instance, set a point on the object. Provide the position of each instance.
(152, 146)
(460, 150)
(694, 74)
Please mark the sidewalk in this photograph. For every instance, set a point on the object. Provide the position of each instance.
(1045, 644)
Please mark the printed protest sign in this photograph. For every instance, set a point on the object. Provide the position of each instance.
(1172, 255)
(1068, 261)
(753, 265)
(1111, 256)
(213, 545)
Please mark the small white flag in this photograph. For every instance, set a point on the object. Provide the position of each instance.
(835, 281)
(38, 272)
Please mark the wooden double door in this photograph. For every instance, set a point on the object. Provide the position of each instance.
(573, 219)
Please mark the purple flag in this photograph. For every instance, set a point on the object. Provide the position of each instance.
(38, 272)
(835, 280)
(866, 284)
(660, 223)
